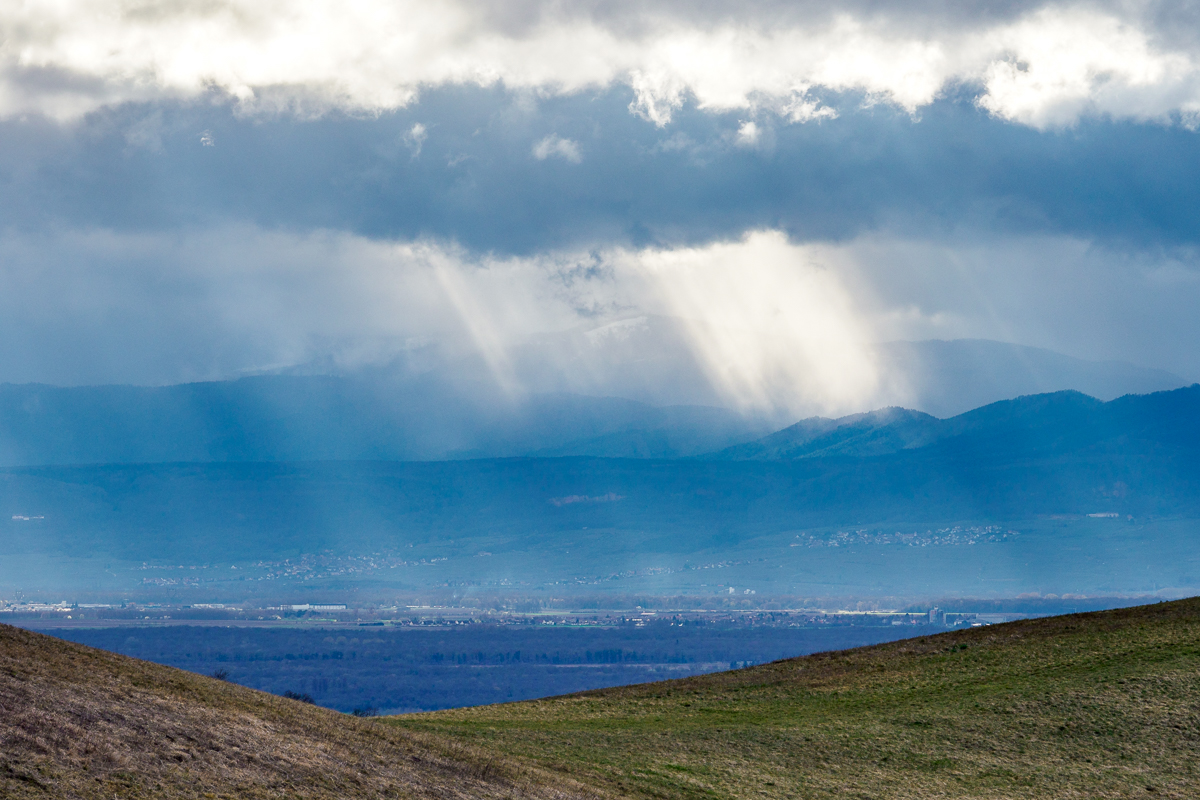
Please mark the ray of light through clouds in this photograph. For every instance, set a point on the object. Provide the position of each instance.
(198, 189)
(773, 329)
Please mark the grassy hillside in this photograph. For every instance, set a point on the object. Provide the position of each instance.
(1092, 705)
(81, 723)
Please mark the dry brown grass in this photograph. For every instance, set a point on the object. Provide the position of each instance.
(82, 723)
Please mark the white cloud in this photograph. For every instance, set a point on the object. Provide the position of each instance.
(1065, 62)
(415, 139)
(748, 134)
(1044, 66)
(800, 108)
(556, 146)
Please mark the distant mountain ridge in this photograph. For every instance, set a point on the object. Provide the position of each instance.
(1043, 422)
(627, 390)
(1043, 454)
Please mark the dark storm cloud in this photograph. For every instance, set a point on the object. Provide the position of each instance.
(477, 177)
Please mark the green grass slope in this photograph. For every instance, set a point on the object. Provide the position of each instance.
(82, 723)
(1083, 706)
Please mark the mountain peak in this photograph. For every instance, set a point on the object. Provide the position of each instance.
(885, 430)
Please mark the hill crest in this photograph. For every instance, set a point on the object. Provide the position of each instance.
(83, 723)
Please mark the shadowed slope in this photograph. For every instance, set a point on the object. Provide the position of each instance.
(82, 723)
(1033, 425)
(1091, 705)
(888, 430)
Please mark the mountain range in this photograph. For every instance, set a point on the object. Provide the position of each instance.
(572, 521)
(1034, 425)
(629, 407)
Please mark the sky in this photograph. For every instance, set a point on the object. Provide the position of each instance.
(201, 189)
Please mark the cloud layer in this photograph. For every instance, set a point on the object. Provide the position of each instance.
(771, 329)
(776, 327)
(201, 188)
(1038, 64)
(462, 165)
